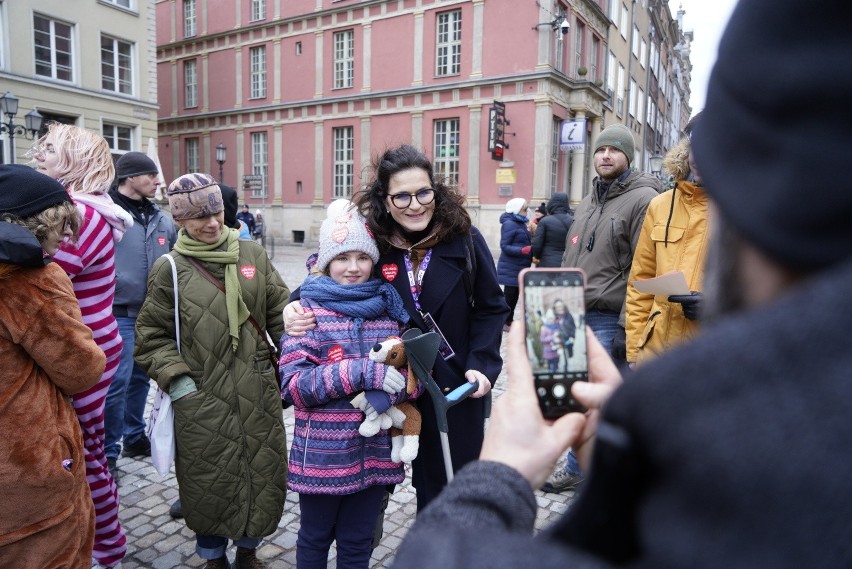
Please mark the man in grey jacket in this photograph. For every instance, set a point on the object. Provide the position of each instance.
(152, 235)
(732, 450)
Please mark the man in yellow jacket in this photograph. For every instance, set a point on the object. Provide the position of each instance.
(673, 238)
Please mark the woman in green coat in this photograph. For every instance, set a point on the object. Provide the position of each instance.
(231, 458)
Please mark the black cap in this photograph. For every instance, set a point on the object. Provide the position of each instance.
(25, 192)
(775, 136)
(134, 164)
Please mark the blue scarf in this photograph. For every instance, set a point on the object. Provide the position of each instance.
(362, 301)
(521, 218)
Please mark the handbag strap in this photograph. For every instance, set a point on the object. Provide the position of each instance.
(206, 274)
(175, 288)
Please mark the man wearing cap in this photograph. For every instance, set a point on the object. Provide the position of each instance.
(151, 236)
(601, 241)
(732, 450)
(246, 217)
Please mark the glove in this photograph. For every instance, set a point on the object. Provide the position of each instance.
(691, 304)
(394, 381)
(619, 345)
(526, 250)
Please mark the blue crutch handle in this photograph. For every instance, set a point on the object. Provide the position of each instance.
(460, 393)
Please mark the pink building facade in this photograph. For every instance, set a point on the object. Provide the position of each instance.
(304, 93)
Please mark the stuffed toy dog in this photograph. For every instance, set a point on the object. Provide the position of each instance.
(404, 418)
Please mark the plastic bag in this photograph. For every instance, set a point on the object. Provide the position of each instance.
(161, 433)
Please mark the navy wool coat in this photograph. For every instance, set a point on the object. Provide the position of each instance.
(514, 236)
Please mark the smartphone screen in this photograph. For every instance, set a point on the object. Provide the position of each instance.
(554, 318)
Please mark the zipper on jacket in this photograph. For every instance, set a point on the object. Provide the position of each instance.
(307, 440)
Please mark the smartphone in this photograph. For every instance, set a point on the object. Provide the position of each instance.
(554, 320)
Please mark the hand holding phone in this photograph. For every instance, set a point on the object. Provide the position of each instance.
(554, 320)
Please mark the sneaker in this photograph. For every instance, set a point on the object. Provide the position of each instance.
(113, 467)
(140, 448)
(561, 480)
(221, 563)
(175, 510)
(247, 559)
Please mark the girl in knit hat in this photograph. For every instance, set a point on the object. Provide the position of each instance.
(339, 474)
(81, 161)
(47, 354)
(515, 251)
(230, 443)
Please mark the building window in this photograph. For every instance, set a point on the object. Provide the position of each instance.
(558, 52)
(122, 3)
(635, 38)
(344, 161)
(613, 11)
(116, 65)
(640, 104)
(189, 19)
(610, 73)
(190, 83)
(257, 57)
(118, 137)
(624, 21)
(619, 104)
(447, 146)
(53, 48)
(643, 52)
(298, 48)
(448, 43)
(193, 163)
(631, 104)
(554, 156)
(259, 161)
(258, 10)
(344, 59)
(594, 59)
(579, 40)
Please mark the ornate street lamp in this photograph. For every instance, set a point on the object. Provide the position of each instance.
(30, 128)
(656, 164)
(221, 151)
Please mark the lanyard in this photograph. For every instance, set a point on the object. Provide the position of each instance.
(417, 282)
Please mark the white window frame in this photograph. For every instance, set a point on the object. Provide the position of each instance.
(192, 154)
(190, 19)
(190, 83)
(53, 38)
(260, 161)
(447, 144)
(258, 10)
(640, 104)
(631, 99)
(619, 94)
(448, 27)
(634, 48)
(344, 161)
(579, 44)
(257, 73)
(613, 11)
(625, 17)
(118, 136)
(344, 59)
(643, 52)
(120, 63)
(558, 53)
(610, 72)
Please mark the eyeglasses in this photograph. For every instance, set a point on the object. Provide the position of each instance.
(43, 149)
(402, 200)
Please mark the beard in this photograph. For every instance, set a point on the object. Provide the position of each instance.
(723, 286)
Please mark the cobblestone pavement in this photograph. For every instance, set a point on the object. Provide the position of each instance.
(156, 541)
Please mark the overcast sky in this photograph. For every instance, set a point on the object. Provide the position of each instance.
(707, 19)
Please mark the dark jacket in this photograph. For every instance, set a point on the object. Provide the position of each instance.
(692, 463)
(514, 236)
(548, 244)
(231, 459)
(474, 334)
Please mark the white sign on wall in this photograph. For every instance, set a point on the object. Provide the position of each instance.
(572, 136)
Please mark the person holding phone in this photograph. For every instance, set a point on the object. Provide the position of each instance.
(443, 270)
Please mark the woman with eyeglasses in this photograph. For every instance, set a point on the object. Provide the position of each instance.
(444, 271)
(81, 161)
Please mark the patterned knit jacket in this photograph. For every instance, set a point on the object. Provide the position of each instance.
(320, 373)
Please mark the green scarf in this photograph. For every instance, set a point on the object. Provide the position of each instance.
(238, 312)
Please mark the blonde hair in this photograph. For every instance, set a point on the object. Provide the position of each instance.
(85, 161)
(676, 161)
(47, 220)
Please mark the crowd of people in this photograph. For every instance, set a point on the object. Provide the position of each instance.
(696, 402)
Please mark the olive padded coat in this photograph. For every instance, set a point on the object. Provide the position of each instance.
(231, 459)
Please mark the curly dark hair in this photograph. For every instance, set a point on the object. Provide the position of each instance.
(450, 217)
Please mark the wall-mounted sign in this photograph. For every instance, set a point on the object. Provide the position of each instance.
(507, 176)
(504, 191)
(572, 135)
(496, 126)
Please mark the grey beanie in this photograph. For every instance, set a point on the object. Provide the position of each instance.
(344, 230)
(617, 136)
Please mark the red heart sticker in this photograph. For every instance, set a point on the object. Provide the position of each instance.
(161, 240)
(574, 239)
(248, 271)
(339, 234)
(335, 354)
(389, 272)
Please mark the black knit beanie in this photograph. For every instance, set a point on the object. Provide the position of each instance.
(232, 202)
(134, 164)
(775, 137)
(25, 192)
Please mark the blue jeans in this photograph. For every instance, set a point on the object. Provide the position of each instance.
(604, 323)
(347, 519)
(214, 546)
(124, 413)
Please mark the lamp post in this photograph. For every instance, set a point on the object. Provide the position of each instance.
(220, 158)
(656, 164)
(30, 128)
